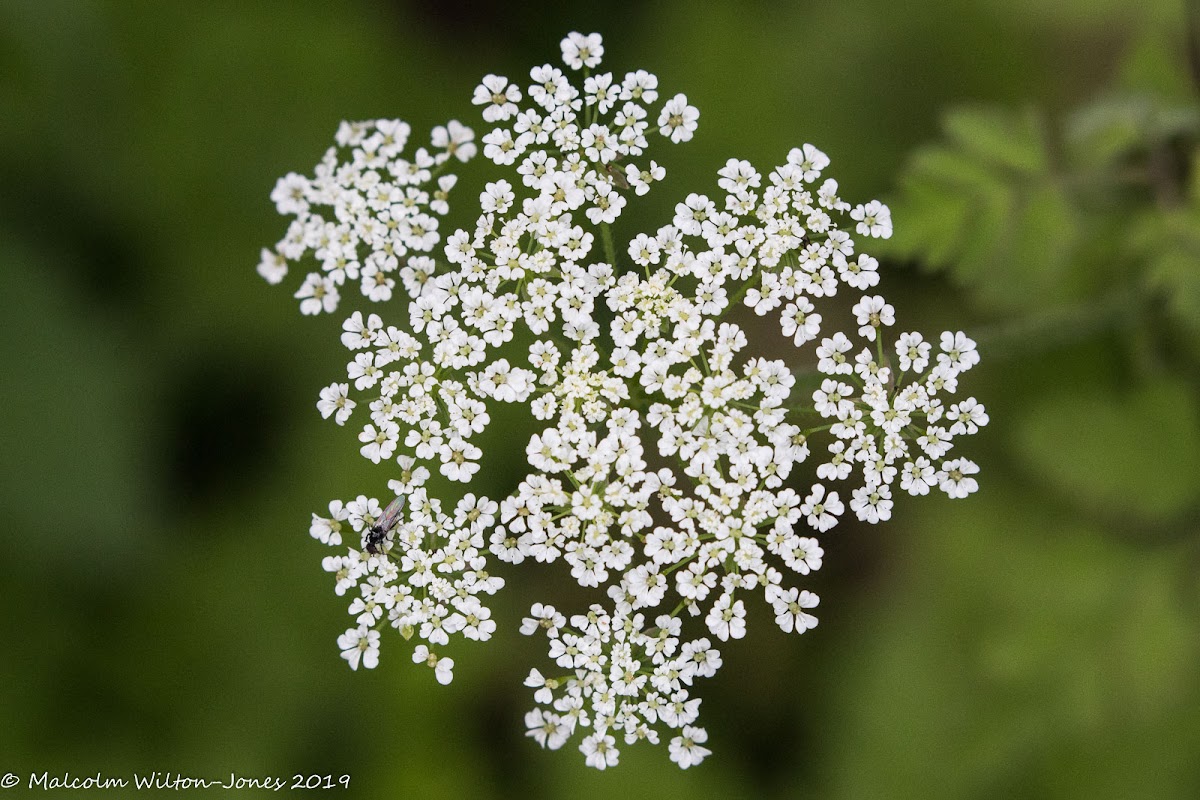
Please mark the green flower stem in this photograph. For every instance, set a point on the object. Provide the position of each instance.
(745, 287)
(610, 252)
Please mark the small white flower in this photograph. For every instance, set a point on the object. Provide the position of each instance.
(335, 401)
(459, 459)
(918, 476)
(359, 333)
(327, 530)
(640, 179)
(912, 352)
(955, 479)
(547, 729)
(727, 618)
(290, 194)
(456, 139)
(686, 750)
(811, 161)
(580, 51)
(360, 646)
(872, 313)
(874, 219)
(499, 96)
(872, 503)
(958, 352)
(273, 267)
(318, 293)
(600, 750)
(678, 120)
(968, 417)
(443, 667)
(791, 609)
(820, 510)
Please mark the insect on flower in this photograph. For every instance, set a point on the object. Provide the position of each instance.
(379, 531)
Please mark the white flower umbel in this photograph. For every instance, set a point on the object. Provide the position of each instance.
(625, 355)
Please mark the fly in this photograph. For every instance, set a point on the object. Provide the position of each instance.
(383, 526)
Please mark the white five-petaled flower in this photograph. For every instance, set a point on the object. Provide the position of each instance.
(810, 160)
(580, 51)
(499, 96)
(873, 313)
(678, 120)
(335, 402)
(821, 510)
(791, 609)
(600, 750)
(686, 750)
(955, 477)
(874, 219)
(360, 646)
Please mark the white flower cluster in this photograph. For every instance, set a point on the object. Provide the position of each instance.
(379, 203)
(625, 359)
(428, 581)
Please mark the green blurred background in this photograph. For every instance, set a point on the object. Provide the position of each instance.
(164, 607)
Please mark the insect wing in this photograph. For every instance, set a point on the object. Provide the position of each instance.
(391, 514)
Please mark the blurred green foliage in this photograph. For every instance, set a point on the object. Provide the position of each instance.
(164, 608)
